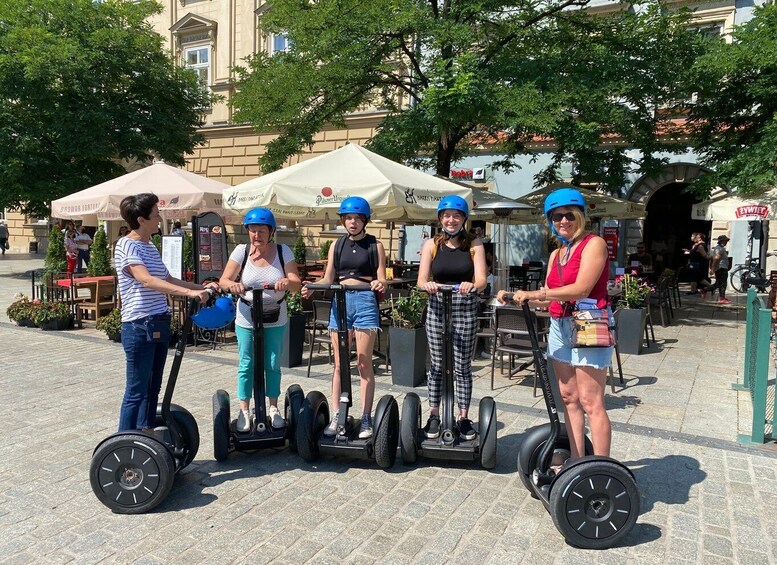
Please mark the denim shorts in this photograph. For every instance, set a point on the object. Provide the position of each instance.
(361, 307)
(560, 347)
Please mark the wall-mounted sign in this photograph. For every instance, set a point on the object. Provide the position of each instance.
(610, 236)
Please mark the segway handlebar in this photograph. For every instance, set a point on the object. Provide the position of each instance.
(337, 286)
(452, 288)
(248, 295)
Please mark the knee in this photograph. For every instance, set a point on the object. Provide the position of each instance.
(593, 405)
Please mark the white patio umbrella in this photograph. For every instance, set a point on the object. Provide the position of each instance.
(731, 207)
(314, 189)
(599, 205)
(178, 190)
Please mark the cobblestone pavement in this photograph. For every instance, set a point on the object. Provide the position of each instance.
(705, 498)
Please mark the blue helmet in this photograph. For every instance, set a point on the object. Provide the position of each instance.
(564, 197)
(559, 198)
(215, 317)
(355, 205)
(259, 216)
(453, 202)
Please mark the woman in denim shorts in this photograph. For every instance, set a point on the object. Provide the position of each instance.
(144, 283)
(362, 260)
(577, 270)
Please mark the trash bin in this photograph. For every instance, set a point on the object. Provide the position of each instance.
(33, 247)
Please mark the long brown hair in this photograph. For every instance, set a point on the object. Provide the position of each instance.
(466, 239)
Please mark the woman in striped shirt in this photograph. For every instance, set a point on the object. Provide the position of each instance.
(144, 283)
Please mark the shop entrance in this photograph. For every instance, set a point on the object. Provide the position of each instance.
(668, 226)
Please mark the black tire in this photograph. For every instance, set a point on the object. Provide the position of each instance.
(487, 427)
(131, 473)
(220, 425)
(532, 444)
(737, 279)
(588, 505)
(291, 407)
(313, 418)
(409, 426)
(189, 428)
(386, 432)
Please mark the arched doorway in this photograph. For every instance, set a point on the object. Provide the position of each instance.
(668, 227)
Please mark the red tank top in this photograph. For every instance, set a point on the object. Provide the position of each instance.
(569, 276)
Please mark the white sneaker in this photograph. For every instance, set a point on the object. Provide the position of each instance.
(331, 429)
(276, 419)
(244, 421)
(365, 431)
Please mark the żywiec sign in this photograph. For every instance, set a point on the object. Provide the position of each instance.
(752, 211)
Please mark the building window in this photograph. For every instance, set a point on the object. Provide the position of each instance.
(279, 43)
(198, 58)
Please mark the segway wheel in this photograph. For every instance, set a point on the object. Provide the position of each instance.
(313, 418)
(386, 432)
(594, 504)
(291, 407)
(131, 473)
(220, 425)
(409, 426)
(487, 426)
(529, 452)
(189, 428)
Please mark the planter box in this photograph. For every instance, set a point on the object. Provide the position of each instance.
(293, 341)
(56, 325)
(630, 325)
(407, 352)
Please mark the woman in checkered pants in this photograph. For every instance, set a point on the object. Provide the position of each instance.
(453, 257)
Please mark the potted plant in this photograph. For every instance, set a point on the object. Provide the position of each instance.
(53, 316)
(100, 257)
(22, 311)
(56, 260)
(294, 336)
(632, 312)
(299, 250)
(111, 325)
(323, 250)
(407, 339)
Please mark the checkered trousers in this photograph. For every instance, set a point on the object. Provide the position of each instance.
(465, 324)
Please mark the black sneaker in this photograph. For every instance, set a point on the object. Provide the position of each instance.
(466, 431)
(432, 427)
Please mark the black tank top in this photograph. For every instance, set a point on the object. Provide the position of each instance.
(452, 266)
(354, 261)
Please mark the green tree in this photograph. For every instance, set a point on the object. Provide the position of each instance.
(299, 250)
(474, 72)
(56, 260)
(84, 85)
(735, 115)
(100, 255)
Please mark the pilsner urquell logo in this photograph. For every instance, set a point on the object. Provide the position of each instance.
(327, 196)
(758, 210)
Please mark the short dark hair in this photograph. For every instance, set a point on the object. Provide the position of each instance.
(177, 225)
(134, 207)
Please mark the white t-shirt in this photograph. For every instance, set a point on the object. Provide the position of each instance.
(83, 240)
(254, 276)
(138, 301)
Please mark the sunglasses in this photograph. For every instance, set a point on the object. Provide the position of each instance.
(557, 217)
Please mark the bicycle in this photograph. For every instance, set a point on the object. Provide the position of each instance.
(745, 275)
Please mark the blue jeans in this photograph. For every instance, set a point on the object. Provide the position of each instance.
(83, 255)
(145, 365)
(273, 343)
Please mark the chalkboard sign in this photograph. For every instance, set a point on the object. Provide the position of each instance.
(210, 246)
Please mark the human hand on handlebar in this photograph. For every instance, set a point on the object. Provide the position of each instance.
(236, 289)
(430, 287)
(377, 286)
(282, 284)
(466, 287)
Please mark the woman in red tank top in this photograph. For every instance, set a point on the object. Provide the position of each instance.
(578, 269)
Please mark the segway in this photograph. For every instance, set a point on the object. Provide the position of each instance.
(314, 416)
(226, 436)
(132, 472)
(593, 500)
(448, 445)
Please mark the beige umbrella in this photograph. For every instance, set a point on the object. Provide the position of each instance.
(178, 190)
(314, 189)
(600, 205)
(731, 207)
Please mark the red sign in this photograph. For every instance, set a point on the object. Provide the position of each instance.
(757, 210)
(461, 173)
(610, 236)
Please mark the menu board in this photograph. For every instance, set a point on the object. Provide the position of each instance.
(210, 246)
(172, 254)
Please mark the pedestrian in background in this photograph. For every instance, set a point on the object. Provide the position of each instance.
(71, 252)
(698, 259)
(83, 241)
(3, 236)
(719, 266)
(177, 230)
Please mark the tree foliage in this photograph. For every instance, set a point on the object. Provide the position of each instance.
(84, 85)
(56, 257)
(735, 115)
(100, 255)
(474, 72)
